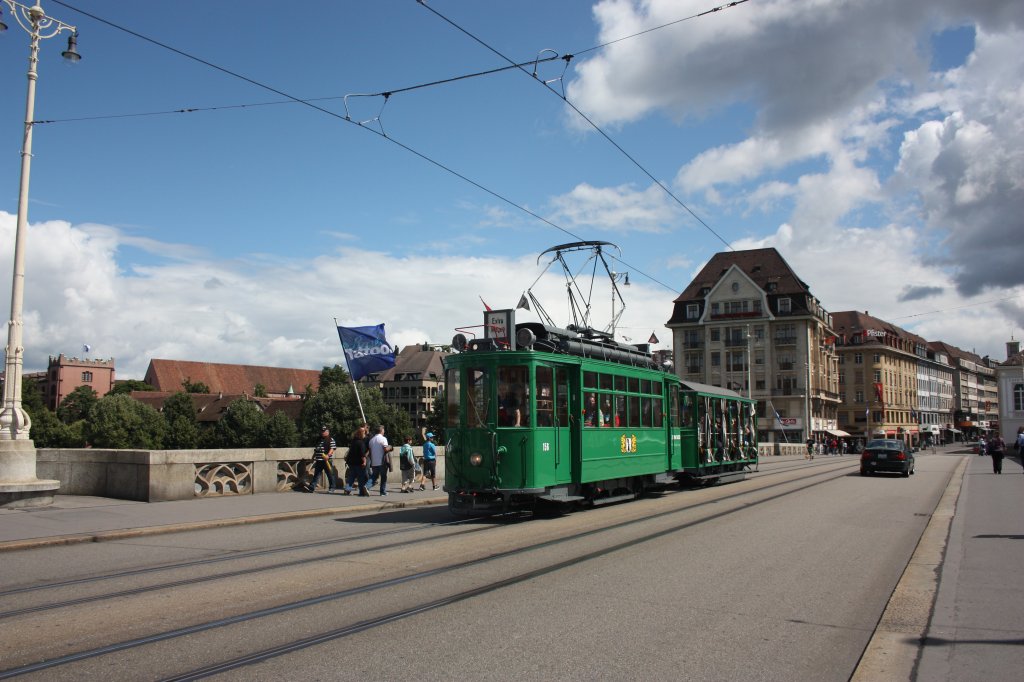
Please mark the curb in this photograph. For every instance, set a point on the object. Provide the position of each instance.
(111, 535)
(894, 648)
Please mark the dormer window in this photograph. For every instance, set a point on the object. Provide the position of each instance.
(785, 305)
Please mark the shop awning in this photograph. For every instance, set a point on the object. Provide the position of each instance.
(838, 432)
(954, 430)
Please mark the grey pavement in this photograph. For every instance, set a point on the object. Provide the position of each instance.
(73, 519)
(975, 630)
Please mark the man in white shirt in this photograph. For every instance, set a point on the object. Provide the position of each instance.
(380, 460)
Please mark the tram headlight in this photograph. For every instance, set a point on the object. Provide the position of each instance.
(476, 459)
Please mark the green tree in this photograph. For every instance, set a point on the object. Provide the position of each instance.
(336, 406)
(280, 432)
(182, 430)
(241, 426)
(77, 404)
(435, 420)
(120, 422)
(190, 386)
(125, 386)
(260, 391)
(334, 376)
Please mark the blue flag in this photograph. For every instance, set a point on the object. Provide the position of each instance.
(366, 350)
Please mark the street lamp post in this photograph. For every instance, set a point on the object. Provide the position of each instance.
(18, 483)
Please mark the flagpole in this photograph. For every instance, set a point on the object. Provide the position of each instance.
(355, 388)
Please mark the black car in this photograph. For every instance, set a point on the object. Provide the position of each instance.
(887, 454)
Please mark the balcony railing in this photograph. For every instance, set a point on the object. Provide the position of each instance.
(693, 343)
(786, 365)
(694, 369)
(785, 340)
(732, 343)
(735, 316)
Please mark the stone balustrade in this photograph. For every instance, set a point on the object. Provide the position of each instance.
(160, 475)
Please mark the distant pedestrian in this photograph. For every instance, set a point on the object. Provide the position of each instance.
(1020, 448)
(981, 446)
(845, 446)
(997, 450)
(429, 462)
(380, 460)
(322, 460)
(407, 463)
(356, 462)
(810, 449)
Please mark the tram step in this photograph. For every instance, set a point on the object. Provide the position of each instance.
(615, 498)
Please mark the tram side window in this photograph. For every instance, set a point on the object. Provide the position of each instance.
(645, 386)
(620, 410)
(478, 398)
(606, 381)
(634, 385)
(646, 412)
(656, 411)
(634, 410)
(544, 402)
(620, 384)
(452, 393)
(590, 409)
(590, 380)
(687, 413)
(605, 414)
(514, 396)
(562, 397)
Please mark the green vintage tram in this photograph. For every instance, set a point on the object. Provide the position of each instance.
(537, 414)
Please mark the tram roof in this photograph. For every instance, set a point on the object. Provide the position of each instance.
(708, 388)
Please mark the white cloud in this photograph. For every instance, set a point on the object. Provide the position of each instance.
(262, 312)
(619, 209)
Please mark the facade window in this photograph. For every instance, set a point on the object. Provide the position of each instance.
(87, 377)
(878, 375)
(716, 334)
(842, 378)
(716, 359)
(785, 305)
(714, 309)
(877, 358)
(858, 358)
(692, 311)
(1018, 397)
(759, 331)
(859, 397)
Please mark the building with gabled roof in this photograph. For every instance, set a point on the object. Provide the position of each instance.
(277, 382)
(210, 407)
(414, 382)
(747, 322)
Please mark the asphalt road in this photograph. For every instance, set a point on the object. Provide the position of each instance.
(780, 577)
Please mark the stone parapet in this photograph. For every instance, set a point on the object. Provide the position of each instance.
(161, 475)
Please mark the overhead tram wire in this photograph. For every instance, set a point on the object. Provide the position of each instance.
(308, 103)
(588, 119)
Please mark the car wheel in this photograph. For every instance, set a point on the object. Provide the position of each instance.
(906, 474)
(863, 472)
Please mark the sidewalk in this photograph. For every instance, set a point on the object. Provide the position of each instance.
(73, 519)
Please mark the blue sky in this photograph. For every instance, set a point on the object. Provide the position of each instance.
(876, 145)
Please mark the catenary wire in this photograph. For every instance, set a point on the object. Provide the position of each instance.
(298, 100)
(596, 127)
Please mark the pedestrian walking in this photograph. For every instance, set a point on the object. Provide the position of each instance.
(380, 460)
(997, 450)
(1020, 448)
(356, 462)
(429, 462)
(407, 463)
(981, 446)
(322, 461)
(810, 449)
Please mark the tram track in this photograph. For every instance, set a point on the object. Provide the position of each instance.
(291, 563)
(791, 486)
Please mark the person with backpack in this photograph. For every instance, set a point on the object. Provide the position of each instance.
(322, 454)
(997, 450)
(407, 463)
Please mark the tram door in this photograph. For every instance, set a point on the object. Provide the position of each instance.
(553, 412)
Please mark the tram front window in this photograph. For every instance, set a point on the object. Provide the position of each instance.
(478, 398)
(452, 388)
(513, 396)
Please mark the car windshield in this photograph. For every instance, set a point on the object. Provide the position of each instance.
(884, 445)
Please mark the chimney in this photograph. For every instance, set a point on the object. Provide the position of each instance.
(1012, 348)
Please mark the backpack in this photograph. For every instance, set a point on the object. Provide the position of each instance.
(405, 459)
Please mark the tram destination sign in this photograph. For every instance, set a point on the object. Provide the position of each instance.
(500, 325)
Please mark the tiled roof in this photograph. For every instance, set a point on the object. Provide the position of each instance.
(415, 360)
(760, 265)
(211, 406)
(765, 267)
(168, 375)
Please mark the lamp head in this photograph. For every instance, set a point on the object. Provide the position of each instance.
(71, 54)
